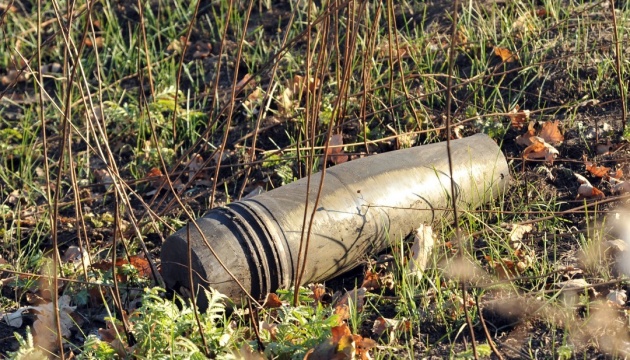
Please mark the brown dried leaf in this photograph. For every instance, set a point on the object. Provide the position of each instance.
(299, 85)
(319, 290)
(505, 54)
(551, 133)
(195, 165)
(518, 119)
(357, 296)
(272, 301)
(45, 336)
(504, 268)
(525, 139)
(539, 149)
(371, 281)
(599, 171)
(98, 42)
(588, 191)
(155, 177)
(245, 81)
(335, 150)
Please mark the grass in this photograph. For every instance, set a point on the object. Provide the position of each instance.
(110, 101)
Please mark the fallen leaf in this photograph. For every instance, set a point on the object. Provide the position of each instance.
(505, 54)
(599, 171)
(551, 133)
(586, 190)
(518, 231)
(540, 149)
(111, 332)
(504, 268)
(98, 42)
(271, 328)
(319, 290)
(371, 281)
(244, 81)
(194, 166)
(335, 150)
(572, 284)
(272, 301)
(299, 84)
(523, 24)
(621, 187)
(343, 312)
(525, 139)
(382, 325)
(357, 297)
(614, 246)
(155, 177)
(139, 263)
(518, 119)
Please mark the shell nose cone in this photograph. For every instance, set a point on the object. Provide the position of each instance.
(226, 243)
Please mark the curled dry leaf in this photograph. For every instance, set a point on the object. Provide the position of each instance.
(572, 284)
(357, 297)
(517, 233)
(390, 326)
(599, 171)
(194, 166)
(525, 139)
(504, 268)
(271, 328)
(586, 190)
(14, 319)
(139, 263)
(614, 246)
(341, 345)
(539, 149)
(155, 177)
(335, 150)
(371, 281)
(551, 133)
(518, 118)
(505, 54)
(272, 301)
(299, 84)
(319, 290)
(97, 42)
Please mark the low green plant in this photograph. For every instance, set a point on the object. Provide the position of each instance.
(299, 328)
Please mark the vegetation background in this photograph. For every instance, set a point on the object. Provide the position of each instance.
(121, 120)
